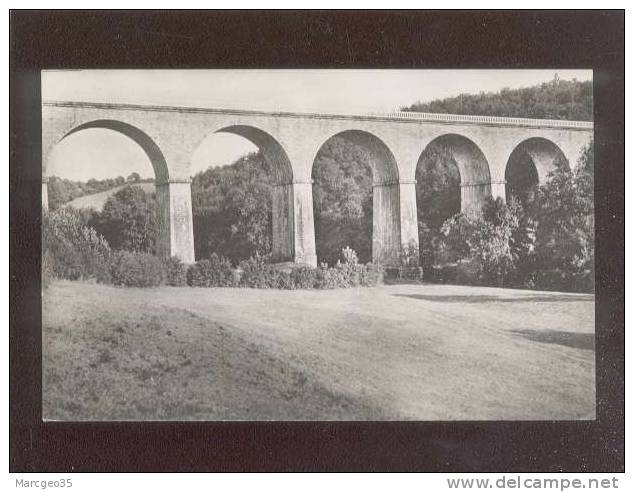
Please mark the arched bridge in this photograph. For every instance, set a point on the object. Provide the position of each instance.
(483, 148)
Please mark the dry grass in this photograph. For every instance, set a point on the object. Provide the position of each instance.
(398, 352)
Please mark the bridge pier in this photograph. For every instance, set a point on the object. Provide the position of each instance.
(386, 223)
(176, 228)
(409, 221)
(498, 189)
(283, 240)
(473, 196)
(303, 223)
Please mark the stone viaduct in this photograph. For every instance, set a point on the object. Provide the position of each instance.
(482, 147)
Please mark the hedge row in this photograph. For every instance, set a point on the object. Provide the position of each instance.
(257, 273)
(145, 270)
(74, 251)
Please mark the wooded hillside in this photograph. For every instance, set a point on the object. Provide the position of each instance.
(557, 100)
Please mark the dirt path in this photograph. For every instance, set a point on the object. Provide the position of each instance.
(396, 352)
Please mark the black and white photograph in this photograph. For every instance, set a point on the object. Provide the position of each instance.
(317, 245)
(316, 241)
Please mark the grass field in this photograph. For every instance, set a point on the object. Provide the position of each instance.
(399, 352)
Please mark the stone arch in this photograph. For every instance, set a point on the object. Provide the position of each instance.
(283, 234)
(530, 163)
(473, 168)
(272, 151)
(148, 145)
(381, 159)
(386, 232)
(175, 231)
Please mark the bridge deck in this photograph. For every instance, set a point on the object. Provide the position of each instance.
(401, 116)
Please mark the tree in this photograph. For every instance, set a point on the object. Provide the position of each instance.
(71, 249)
(129, 220)
(62, 191)
(437, 198)
(232, 208)
(557, 99)
(342, 201)
(564, 213)
(134, 178)
(495, 241)
(438, 186)
(232, 205)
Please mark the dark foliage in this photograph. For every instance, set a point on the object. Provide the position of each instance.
(548, 243)
(232, 205)
(232, 209)
(437, 198)
(564, 213)
(135, 269)
(214, 272)
(486, 242)
(129, 220)
(175, 272)
(342, 201)
(133, 178)
(61, 191)
(438, 186)
(257, 273)
(304, 277)
(71, 249)
(348, 272)
(557, 99)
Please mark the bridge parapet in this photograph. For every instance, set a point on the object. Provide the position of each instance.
(393, 115)
(487, 120)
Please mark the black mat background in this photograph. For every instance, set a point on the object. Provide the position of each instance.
(317, 39)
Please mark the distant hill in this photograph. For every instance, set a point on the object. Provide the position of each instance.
(63, 190)
(557, 100)
(96, 201)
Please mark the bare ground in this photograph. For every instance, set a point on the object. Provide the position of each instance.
(399, 352)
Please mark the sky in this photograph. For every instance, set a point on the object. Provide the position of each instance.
(104, 154)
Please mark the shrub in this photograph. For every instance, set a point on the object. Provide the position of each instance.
(492, 242)
(256, 272)
(447, 273)
(565, 281)
(73, 250)
(347, 273)
(330, 278)
(175, 272)
(371, 275)
(351, 270)
(281, 279)
(349, 256)
(214, 272)
(304, 277)
(134, 269)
